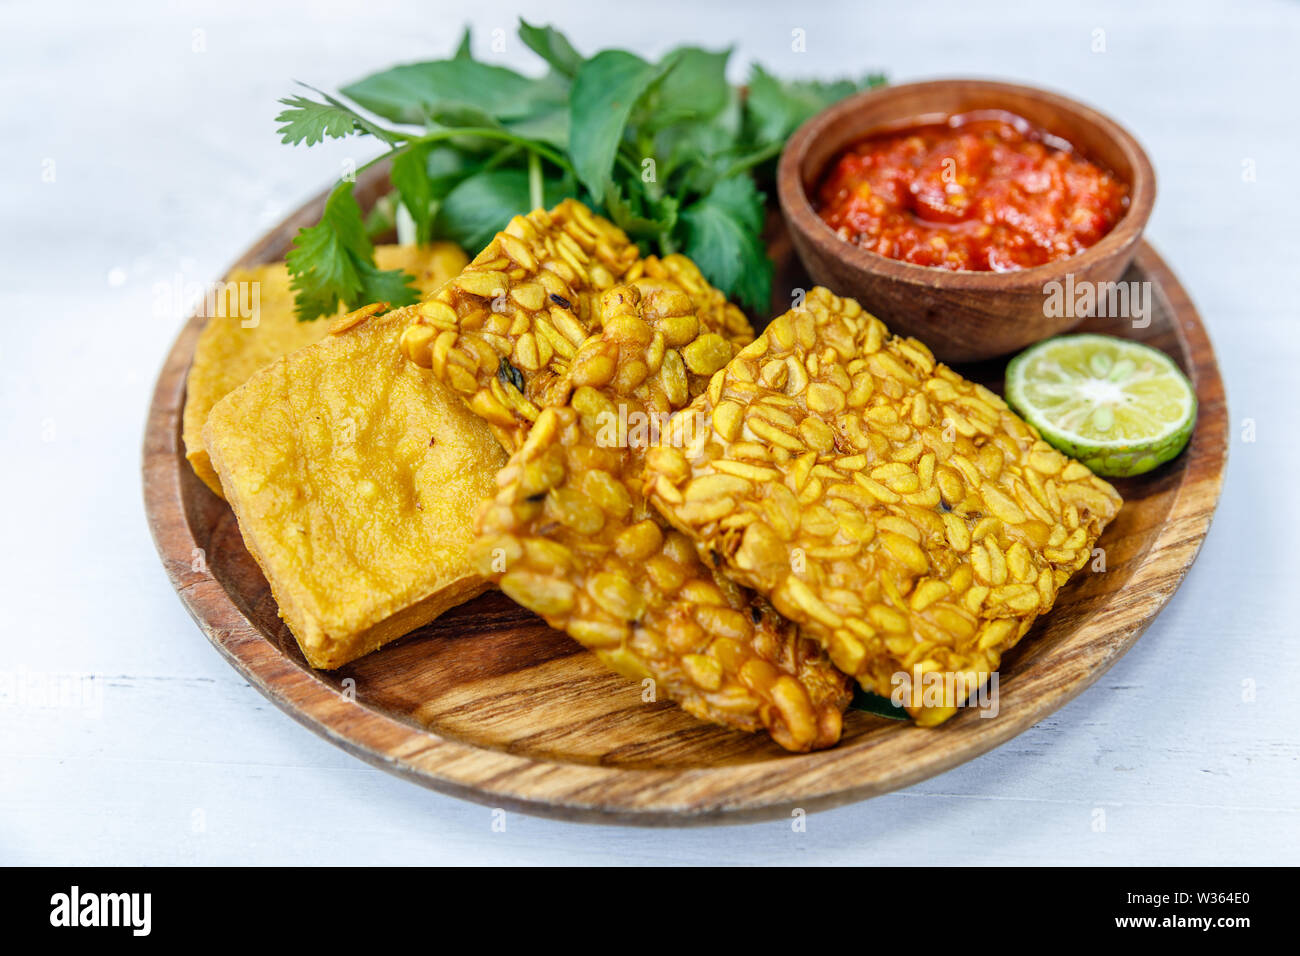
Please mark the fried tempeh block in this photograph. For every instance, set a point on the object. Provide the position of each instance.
(355, 477)
(712, 309)
(503, 334)
(570, 535)
(235, 343)
(903, 516)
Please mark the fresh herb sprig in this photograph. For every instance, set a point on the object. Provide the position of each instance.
(669, 150)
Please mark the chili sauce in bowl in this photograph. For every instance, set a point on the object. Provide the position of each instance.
(983, 191)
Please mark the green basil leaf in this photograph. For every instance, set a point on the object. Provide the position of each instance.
(459, 114)
(724, 237)
(605, 90)
(694, 87)
(463, 51)
(776, 108)
(552, 46)
(448, 167)
(479, 208)
(547, 127)
(693, 156)
(416, 92)
(593, 122)
(410, 176)
(870, 703)
(382, 218)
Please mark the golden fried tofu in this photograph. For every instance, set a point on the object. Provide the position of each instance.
(355, 477)
(252, 323)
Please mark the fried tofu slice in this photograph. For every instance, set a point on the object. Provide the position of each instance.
(571, 536)
(904, 517)
(354, 476)
(253, 323)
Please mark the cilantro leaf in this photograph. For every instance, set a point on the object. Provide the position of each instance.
(630, 214)
(393, 286)
(307, 121)
(724, 237)
(333, 262)
(741, 200)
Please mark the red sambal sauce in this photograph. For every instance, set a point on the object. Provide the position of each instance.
(984, 191)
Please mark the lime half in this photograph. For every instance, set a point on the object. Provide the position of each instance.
(1119, 407)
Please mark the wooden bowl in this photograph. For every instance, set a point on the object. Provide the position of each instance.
(961, 316)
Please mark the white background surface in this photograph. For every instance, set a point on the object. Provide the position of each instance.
(166, 165)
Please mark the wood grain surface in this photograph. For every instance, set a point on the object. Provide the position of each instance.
(488, 703)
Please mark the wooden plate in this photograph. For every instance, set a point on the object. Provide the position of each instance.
(489, 704)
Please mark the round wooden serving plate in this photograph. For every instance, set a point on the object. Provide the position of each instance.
(490, 704)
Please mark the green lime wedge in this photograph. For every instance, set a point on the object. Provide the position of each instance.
(1119, 407)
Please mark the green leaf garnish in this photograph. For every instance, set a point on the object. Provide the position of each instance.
(333, 262)
(552, 46)
(669, 151)
(415, 92)
(306, 121)
(463, 51)
(605, 90)
(481, 205)
(777, 107)
(870, 703)
(410, 176)
(694, 88)
(724, 237)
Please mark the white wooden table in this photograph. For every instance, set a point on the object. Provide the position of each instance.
(139, 151)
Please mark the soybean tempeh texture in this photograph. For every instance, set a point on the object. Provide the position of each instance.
(503, 332)
(532, 333)
(571, 536)
(903, 516)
